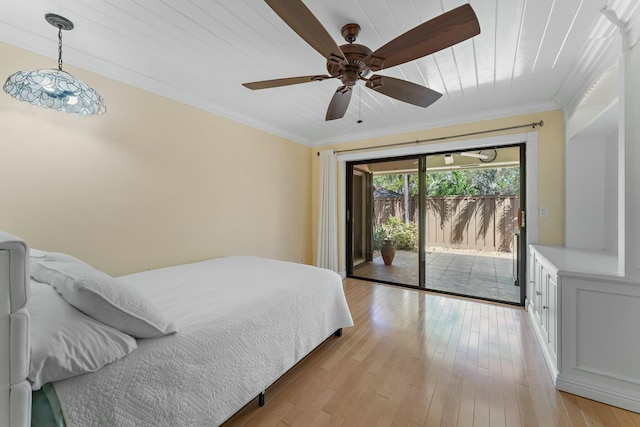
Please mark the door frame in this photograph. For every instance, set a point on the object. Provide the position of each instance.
(530, 193)
(365, 220)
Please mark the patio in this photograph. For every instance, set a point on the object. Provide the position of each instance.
(470, 273)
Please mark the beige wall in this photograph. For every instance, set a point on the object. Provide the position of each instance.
(151, 183)
(550, 164)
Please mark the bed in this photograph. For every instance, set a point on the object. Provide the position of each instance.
(241, 322)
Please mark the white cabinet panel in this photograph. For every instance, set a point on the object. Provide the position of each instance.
(602, 344)
(552, 313)
(544, 308)
(586, 320)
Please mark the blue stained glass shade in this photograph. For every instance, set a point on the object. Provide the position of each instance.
(55, 89)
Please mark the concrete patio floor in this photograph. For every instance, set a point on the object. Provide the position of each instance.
(470, 273)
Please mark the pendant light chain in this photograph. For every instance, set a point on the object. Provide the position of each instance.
(60, 48)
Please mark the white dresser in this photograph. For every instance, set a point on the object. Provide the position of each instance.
(587, 320)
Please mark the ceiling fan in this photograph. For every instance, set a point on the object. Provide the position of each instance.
(352, 62)
(485, 156)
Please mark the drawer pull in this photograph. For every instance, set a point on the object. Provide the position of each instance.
(538, 293)
(545, 307)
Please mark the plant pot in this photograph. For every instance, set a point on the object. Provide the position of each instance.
(388, 251)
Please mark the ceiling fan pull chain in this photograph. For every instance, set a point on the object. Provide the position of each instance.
(359, 103)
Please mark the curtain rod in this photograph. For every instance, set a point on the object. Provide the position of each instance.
(418, 141)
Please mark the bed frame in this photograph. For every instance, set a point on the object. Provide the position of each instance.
(15, 390)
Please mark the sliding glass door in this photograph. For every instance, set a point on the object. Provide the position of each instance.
(447, 222)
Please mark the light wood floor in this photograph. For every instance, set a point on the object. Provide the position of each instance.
(415, 358)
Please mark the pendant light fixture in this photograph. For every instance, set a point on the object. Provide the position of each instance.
(55, 89)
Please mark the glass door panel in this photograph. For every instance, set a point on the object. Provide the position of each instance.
(361, 248)
(382, 219)
(472, 199)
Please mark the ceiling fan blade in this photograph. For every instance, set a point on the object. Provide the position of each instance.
(266, 84)
(297, 16)
(475, 155)
(439, 33)
(403, 90)
(339, 103)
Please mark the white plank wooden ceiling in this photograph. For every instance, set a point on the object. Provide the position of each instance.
(531, 55)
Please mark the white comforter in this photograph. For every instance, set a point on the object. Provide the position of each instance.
(242, 322)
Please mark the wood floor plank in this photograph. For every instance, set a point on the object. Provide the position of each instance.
(481, 411)
(412, 401)
(349, 393)
(321, 419)
(304, 415)
(436, 408)
(270, 415)
(417, 358)
(307, 389)
(527, 409)
(605, 413)
(625, 418)
(589, 412)
(397, 394)
(510, 395)
(466, 407)
(453, 398)
(392, 372)
(538, 397)
(573, 410)
(427, 387)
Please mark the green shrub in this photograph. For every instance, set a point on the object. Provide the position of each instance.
(404, 236)
(378, 236)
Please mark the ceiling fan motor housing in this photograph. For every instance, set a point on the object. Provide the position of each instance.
(356, 66)
(350, 32)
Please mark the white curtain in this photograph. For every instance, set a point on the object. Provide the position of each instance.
(327, 216)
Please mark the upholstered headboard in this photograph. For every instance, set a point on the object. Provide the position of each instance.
(15, 390)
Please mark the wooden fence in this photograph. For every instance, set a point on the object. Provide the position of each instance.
(465, 222)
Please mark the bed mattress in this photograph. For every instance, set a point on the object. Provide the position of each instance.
(242, 322)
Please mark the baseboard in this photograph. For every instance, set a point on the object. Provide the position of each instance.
(597, 392)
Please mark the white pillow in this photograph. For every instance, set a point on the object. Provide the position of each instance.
(65, 342)
(36, 253)
(104, 298)
(37, 256)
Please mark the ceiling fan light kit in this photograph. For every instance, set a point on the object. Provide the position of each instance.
(352, 62)
(54, 88)
(488, 155)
